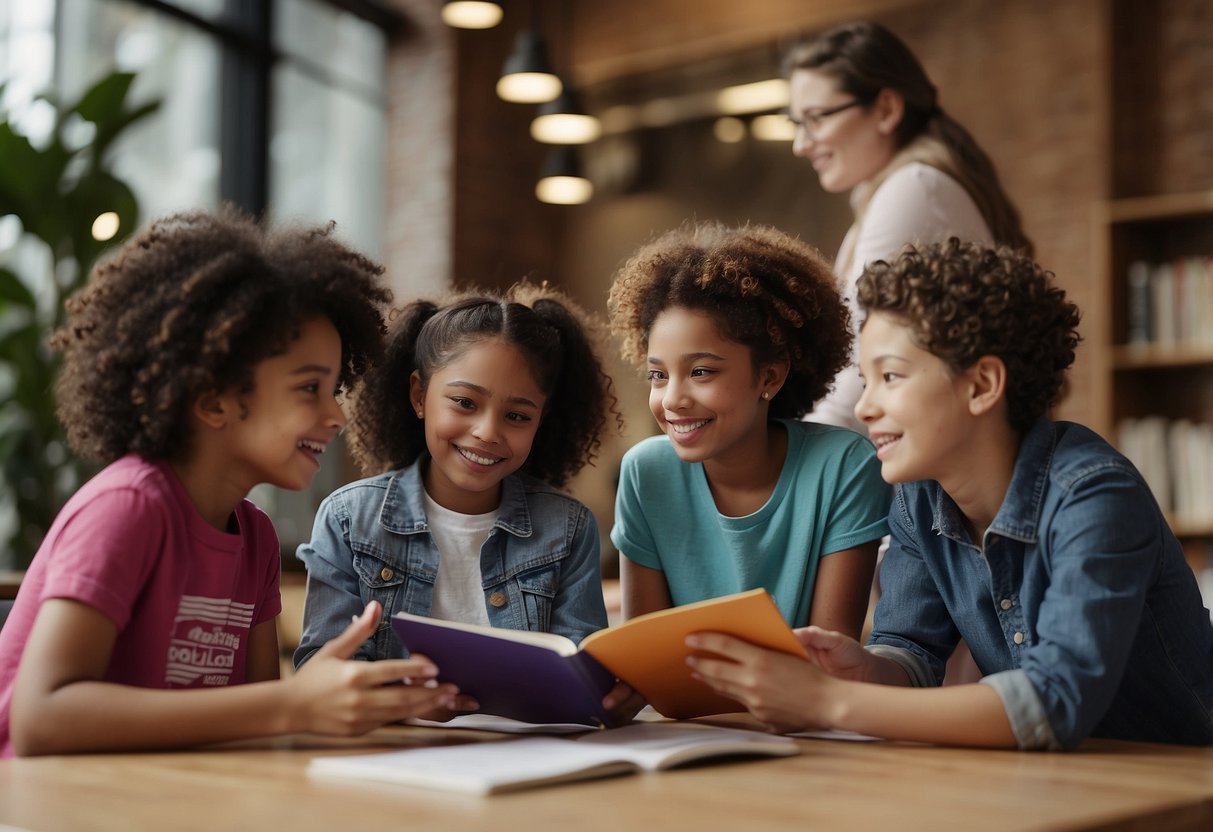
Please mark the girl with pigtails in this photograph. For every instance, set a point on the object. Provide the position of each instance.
(481, 410)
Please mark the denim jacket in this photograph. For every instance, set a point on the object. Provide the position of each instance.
(539, 566)
(1077, 605)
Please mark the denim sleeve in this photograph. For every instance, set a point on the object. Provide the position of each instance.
(911, 614)
(1103, 544)
(334, 594)
(1025, 711)
(578, 608)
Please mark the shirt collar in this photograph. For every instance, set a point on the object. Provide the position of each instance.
(1019, 516)
(403, 509)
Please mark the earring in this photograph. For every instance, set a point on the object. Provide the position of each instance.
(765, 396)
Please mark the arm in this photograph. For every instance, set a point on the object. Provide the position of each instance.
(263, 659)
(843, 589)
(334, 591)
(644, 589)
(789, 694)
(61, 703)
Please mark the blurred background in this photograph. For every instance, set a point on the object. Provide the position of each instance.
(385, 117)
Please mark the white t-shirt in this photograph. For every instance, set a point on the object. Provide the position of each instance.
(915, 204)
(458, 590)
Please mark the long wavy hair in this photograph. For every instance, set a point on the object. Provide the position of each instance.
(865, 58)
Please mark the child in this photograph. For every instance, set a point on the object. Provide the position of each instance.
(480, 411)
(740, 330)
(1033, 540)
(201, 361)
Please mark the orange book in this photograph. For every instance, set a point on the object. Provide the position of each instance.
(544, 677)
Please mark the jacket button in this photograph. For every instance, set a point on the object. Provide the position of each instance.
(497, 599)
(1006, 604)
(1018, 638)
(386, 573)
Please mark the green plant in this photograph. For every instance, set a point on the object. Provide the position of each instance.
(57, 189)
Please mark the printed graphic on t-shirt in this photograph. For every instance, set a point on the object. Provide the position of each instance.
(206, 639)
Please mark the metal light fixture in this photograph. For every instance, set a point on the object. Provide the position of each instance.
(564, 121)
(527, 77)
(561, 181)
(471, 14)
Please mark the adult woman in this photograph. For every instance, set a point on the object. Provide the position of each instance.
(869, 121)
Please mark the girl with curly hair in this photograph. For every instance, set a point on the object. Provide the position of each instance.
(1034, 540)
(739, 331)
(203, 359)
(481, 410)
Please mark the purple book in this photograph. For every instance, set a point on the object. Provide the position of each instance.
(531, 677)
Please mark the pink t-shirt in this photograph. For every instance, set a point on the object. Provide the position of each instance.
(182, 594)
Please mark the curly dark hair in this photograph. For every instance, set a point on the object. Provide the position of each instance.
(764, 288)
(425, 336)
(963, 301)
(192, 304)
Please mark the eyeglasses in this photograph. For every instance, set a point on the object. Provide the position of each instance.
(811, 121)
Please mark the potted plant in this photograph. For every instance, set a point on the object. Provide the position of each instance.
(65, 195)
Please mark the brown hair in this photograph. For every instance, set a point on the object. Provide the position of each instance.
(865, 58)
(962, 301)
(764, 289)
(192, 304)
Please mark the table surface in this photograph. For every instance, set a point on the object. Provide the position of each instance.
(832, 784)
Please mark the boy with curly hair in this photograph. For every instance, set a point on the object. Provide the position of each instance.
(1034, 540)
(203, 359)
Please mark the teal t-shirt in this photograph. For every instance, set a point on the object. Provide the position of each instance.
(829, 497)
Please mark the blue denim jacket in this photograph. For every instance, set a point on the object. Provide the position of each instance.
(1078, 605)
(370, 541)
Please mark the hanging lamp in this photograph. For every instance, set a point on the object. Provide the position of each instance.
(561, 181)
(564, 120)
(527, 78)
(471, 14)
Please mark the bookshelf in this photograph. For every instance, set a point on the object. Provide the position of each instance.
(1154, 347)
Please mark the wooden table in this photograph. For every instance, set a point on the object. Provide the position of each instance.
(831, 785)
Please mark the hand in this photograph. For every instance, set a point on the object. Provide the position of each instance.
(461, 704)
(622, 703)
(333, 695)
(839, 655)
(784, 692)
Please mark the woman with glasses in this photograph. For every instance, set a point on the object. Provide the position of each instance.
(869, 121)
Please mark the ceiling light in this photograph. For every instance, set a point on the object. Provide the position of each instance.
(527, 77)
(471, 14)
(561, 182)
(565, 121)
(757, 97)
(773, 128)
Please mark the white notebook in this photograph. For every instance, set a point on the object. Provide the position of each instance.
(490, 767)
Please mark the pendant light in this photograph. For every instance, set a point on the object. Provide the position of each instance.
(564, 120)
(561, 181)
(527, 78)
(471, 14)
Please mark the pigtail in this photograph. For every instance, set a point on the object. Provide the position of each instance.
(385, 432)
(581, 399)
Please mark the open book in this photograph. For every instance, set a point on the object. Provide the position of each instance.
(490, 767)
(543, 677)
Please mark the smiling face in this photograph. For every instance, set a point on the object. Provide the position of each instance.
(704, 391)
(916, 408)
(481, 413)
(291, 415)
(847, 147)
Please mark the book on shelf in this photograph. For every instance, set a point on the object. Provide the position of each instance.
(491, 767)
(545, 677)
(1170, 304)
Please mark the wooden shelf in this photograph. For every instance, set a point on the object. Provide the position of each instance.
(1160, 207)
(1191, 526)
(1155, 357)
